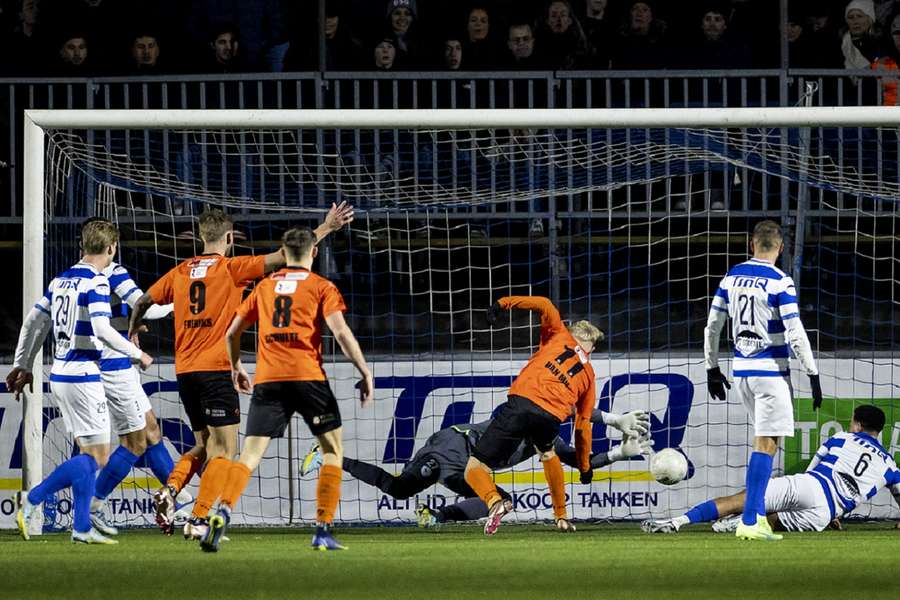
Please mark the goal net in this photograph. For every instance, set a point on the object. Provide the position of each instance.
(621, 220)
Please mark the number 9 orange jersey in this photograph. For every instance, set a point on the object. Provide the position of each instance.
(206, 290)
(289, 306)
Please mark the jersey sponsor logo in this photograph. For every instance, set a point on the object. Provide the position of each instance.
(298, 276)
(67, 284)
(751, 282)
(198, 272)
(747, 342)
(286, 287)
(197, 323)
(203, 262)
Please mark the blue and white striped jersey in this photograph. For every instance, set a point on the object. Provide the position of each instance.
(765, 321)
(852, 467)
(124, 293)
(76, 309)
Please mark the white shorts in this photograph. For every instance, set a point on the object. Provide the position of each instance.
(769, 401)
(83, 408)
(128, 403)
(799, 501)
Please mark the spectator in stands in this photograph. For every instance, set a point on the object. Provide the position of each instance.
(861, 40)
(26, 54)
(453, 52)
(714, 48)
(890, 61)
(562, 41)
(522, 55)
(73, 56)
(343, 51)
(264, 42)
(401, 15)
(145, 54)
(385, 54)
(225, 46)
(480, 48)
(598, 29)
(641, 42)
(822, 38)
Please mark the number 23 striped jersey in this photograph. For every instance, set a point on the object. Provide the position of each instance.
(761, 301)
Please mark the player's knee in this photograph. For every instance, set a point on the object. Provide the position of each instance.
(137, 445)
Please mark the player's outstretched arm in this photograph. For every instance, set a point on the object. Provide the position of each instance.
(239, 376)
(347, 341)
(31, 337)
(338, 216)
(107, 334)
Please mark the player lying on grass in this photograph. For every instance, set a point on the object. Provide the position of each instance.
(849, 468)
(132, 416)
(557, 378)
(443, 458)
(288, 308)
(206, 290)
(76, 308)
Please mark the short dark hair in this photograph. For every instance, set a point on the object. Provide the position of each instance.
(220, 27)
(767, 235)
(870, 418)
(297, 241)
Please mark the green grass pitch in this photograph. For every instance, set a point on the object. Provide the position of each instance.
(599, 561)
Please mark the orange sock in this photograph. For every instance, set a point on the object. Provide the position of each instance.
(211, 485)
(238, 477)
(553, 471)
(186, 467)
(328, 492)
(480, 481)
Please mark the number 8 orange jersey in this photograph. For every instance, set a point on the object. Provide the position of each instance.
(290, 306)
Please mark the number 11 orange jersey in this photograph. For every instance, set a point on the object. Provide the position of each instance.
(290, 306)
(206, 291)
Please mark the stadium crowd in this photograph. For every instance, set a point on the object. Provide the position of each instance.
(165, 37)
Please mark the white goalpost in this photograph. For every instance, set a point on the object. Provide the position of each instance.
(623, 216)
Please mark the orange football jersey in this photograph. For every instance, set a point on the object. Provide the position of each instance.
(559, 375)
(289, 307)
(206, 291)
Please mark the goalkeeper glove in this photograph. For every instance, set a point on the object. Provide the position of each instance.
(587, 476)
(493, 313)
(635, 423)
(716, 383)
(816, 391)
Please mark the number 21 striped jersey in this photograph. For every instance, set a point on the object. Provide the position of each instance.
(761, 301)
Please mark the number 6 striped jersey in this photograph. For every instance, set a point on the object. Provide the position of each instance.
(206, 290)
(765, 321)
(290, 305)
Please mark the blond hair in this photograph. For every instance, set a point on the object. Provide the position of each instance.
(585, 331)
(214, 224)
(767, 236)
(97, 235)
(298, 241)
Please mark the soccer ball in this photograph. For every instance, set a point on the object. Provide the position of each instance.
(668, 466)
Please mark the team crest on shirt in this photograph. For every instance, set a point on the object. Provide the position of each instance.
(285, 287)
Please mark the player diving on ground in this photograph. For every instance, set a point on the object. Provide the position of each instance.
(443, 458)
(849, 468)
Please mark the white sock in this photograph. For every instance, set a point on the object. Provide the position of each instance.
(681, 521)
(97, 504)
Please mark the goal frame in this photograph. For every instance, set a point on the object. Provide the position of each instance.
(36, 122)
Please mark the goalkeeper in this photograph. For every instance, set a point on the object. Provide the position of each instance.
(445, 454)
